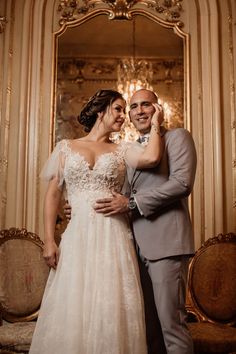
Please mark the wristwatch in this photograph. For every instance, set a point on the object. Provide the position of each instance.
(132, 203)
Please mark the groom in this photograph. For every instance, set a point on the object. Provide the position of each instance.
(157, 200)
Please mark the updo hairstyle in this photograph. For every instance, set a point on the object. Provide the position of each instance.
(97, 103)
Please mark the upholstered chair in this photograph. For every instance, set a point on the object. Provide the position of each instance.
(212, 295)
(23, 275)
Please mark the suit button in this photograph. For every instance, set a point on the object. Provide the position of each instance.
(134, 191)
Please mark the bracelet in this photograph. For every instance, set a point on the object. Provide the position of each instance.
(156, 128)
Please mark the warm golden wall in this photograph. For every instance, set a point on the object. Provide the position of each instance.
(26, 87)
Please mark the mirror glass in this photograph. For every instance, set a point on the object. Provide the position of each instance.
(103, 53)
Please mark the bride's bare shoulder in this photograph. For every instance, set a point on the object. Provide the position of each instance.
(76, 142)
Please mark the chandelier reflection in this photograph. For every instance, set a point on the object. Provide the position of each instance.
(132, 75)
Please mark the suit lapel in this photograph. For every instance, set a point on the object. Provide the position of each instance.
(135, 176)
(132, 175)
(136, 173)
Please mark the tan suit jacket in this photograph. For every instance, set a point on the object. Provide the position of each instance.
(161, 193)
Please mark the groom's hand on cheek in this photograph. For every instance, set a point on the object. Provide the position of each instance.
(117, 204)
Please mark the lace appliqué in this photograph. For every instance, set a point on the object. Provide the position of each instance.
(87, 183)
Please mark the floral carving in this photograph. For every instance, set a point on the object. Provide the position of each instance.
(119, 9)
(13, 233)
(229, 237)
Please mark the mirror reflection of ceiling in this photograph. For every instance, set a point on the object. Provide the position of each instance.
(111, 38)
(89, 58)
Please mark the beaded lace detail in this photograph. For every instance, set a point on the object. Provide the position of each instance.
(107, 174)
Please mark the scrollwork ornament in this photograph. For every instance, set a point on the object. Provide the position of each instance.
(23, 234)
(71, 10)
(3, 22)
(229, 237)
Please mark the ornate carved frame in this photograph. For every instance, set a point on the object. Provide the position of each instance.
(192, 306)
(20, 234)
(74, 13)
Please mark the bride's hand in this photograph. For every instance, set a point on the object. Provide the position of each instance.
(158, 116)
(51, 254)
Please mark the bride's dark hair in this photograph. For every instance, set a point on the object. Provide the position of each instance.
(97, 103)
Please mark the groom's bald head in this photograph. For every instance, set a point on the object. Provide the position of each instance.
(142, 109)
(145, 92)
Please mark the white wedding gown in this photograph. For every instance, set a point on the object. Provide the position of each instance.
(93, 301)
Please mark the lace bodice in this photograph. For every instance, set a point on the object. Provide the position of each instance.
(106, 175)
(74, 172)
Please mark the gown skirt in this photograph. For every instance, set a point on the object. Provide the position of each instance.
(93, 301)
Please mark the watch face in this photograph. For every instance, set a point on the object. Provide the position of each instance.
(132, 204)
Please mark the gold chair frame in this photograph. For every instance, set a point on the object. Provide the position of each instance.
(21, 234)
(215, 330)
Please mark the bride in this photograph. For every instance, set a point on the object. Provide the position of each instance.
(93, 301)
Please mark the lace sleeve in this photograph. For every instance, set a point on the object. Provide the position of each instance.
(54, 166)
(132, 153)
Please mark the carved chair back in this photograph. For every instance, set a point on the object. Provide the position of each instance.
(212, 280)
(212, 296)
(23, 276)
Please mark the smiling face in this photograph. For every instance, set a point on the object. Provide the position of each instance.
(142, 110)
(115, 115)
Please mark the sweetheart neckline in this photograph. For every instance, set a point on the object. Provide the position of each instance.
(92, 168)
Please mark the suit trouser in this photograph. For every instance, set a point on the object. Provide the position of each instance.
(169, 277)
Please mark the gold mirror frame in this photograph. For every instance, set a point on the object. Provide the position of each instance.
(74, 13)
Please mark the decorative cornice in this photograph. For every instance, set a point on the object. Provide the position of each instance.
(71, 10)
(3, 22)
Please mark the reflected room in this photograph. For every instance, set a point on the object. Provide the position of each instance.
(102, 54)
